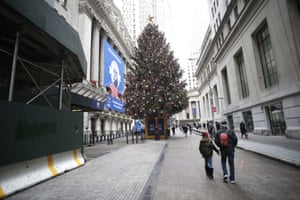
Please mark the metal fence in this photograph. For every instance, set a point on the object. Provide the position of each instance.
(90, 138)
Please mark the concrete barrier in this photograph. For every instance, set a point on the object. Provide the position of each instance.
(24, 174)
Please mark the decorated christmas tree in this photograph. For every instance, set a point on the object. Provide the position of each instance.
(153, 85)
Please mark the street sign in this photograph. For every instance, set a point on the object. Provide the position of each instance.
(214, 109)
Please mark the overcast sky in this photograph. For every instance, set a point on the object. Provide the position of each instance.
(183, 20)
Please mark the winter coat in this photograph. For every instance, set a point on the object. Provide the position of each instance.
(232, 139)
(138, 126)
(206, 147)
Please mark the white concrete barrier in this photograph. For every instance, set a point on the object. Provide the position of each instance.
(24, 174)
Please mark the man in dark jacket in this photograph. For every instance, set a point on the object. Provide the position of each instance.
(227, 141)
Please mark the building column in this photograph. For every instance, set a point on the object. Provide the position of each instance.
(84, 28)
(98, 125)
(95, 52)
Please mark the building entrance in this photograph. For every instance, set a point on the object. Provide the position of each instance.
(247, 117)
(276, 118)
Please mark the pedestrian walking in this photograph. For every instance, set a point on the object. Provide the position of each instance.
(243, 130)
(185, 129)
(173, 129)
(226, 140)
(138, 129)
(217, 125)
(206, 148)
(190, 129)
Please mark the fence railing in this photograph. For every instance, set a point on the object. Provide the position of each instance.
(90, 138)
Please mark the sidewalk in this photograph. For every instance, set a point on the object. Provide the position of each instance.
(276, 147)
(120, 174)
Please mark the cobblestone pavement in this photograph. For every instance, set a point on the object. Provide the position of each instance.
(120, 174)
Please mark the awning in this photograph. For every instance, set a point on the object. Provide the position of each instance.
(46, 18)
(86, 97)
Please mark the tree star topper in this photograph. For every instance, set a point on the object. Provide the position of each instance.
(150, 18)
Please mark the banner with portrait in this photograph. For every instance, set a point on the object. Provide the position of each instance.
(113, 70)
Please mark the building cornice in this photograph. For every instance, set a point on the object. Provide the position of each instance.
(238, 27)
(110, 19)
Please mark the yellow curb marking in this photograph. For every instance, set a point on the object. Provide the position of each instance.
(76, 158)
(51, 166)
(1, 193)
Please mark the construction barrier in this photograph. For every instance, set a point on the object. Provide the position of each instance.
(18, 176)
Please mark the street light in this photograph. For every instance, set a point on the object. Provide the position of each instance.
(211, 102)
(213, 108)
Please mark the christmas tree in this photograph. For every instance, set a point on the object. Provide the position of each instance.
(153, 85)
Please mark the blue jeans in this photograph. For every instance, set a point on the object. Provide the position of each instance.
(230, 156)
(208, 161)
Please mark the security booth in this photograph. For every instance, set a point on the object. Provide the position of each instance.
(156, 127)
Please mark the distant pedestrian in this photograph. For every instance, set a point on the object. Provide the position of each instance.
(190, 129)
(227, 141)
(185, 129)
(243, 130)
(138, 128)
(206, 147)
(217, 125)
(211, 131)
(173, 130)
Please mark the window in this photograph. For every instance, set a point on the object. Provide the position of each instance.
(266, 56)
(236, 13)
(226, 85)
(229, 24)
(242, 74)
(63, 3)
(222, 37)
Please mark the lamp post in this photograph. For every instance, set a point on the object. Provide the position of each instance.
(211, 102)
(213, 108)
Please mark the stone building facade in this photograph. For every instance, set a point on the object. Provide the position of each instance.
(249, 70)
(101, 21)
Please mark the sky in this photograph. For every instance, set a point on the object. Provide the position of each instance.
(183, 14)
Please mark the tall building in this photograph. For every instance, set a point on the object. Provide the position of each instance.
(163, 17)
(248, 68)
(217, 9)
(135, 14)
(198, 26)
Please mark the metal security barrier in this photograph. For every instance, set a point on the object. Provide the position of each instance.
(91, 138)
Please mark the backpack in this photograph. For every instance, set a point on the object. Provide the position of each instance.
(224, 140)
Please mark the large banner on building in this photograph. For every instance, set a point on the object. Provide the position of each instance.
(113, 70)
(114, 104)
(113, 77)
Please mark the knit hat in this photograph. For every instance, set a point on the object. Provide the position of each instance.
(205, 134)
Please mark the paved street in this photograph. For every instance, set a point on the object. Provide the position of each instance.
(257, 177)
(173, 169)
